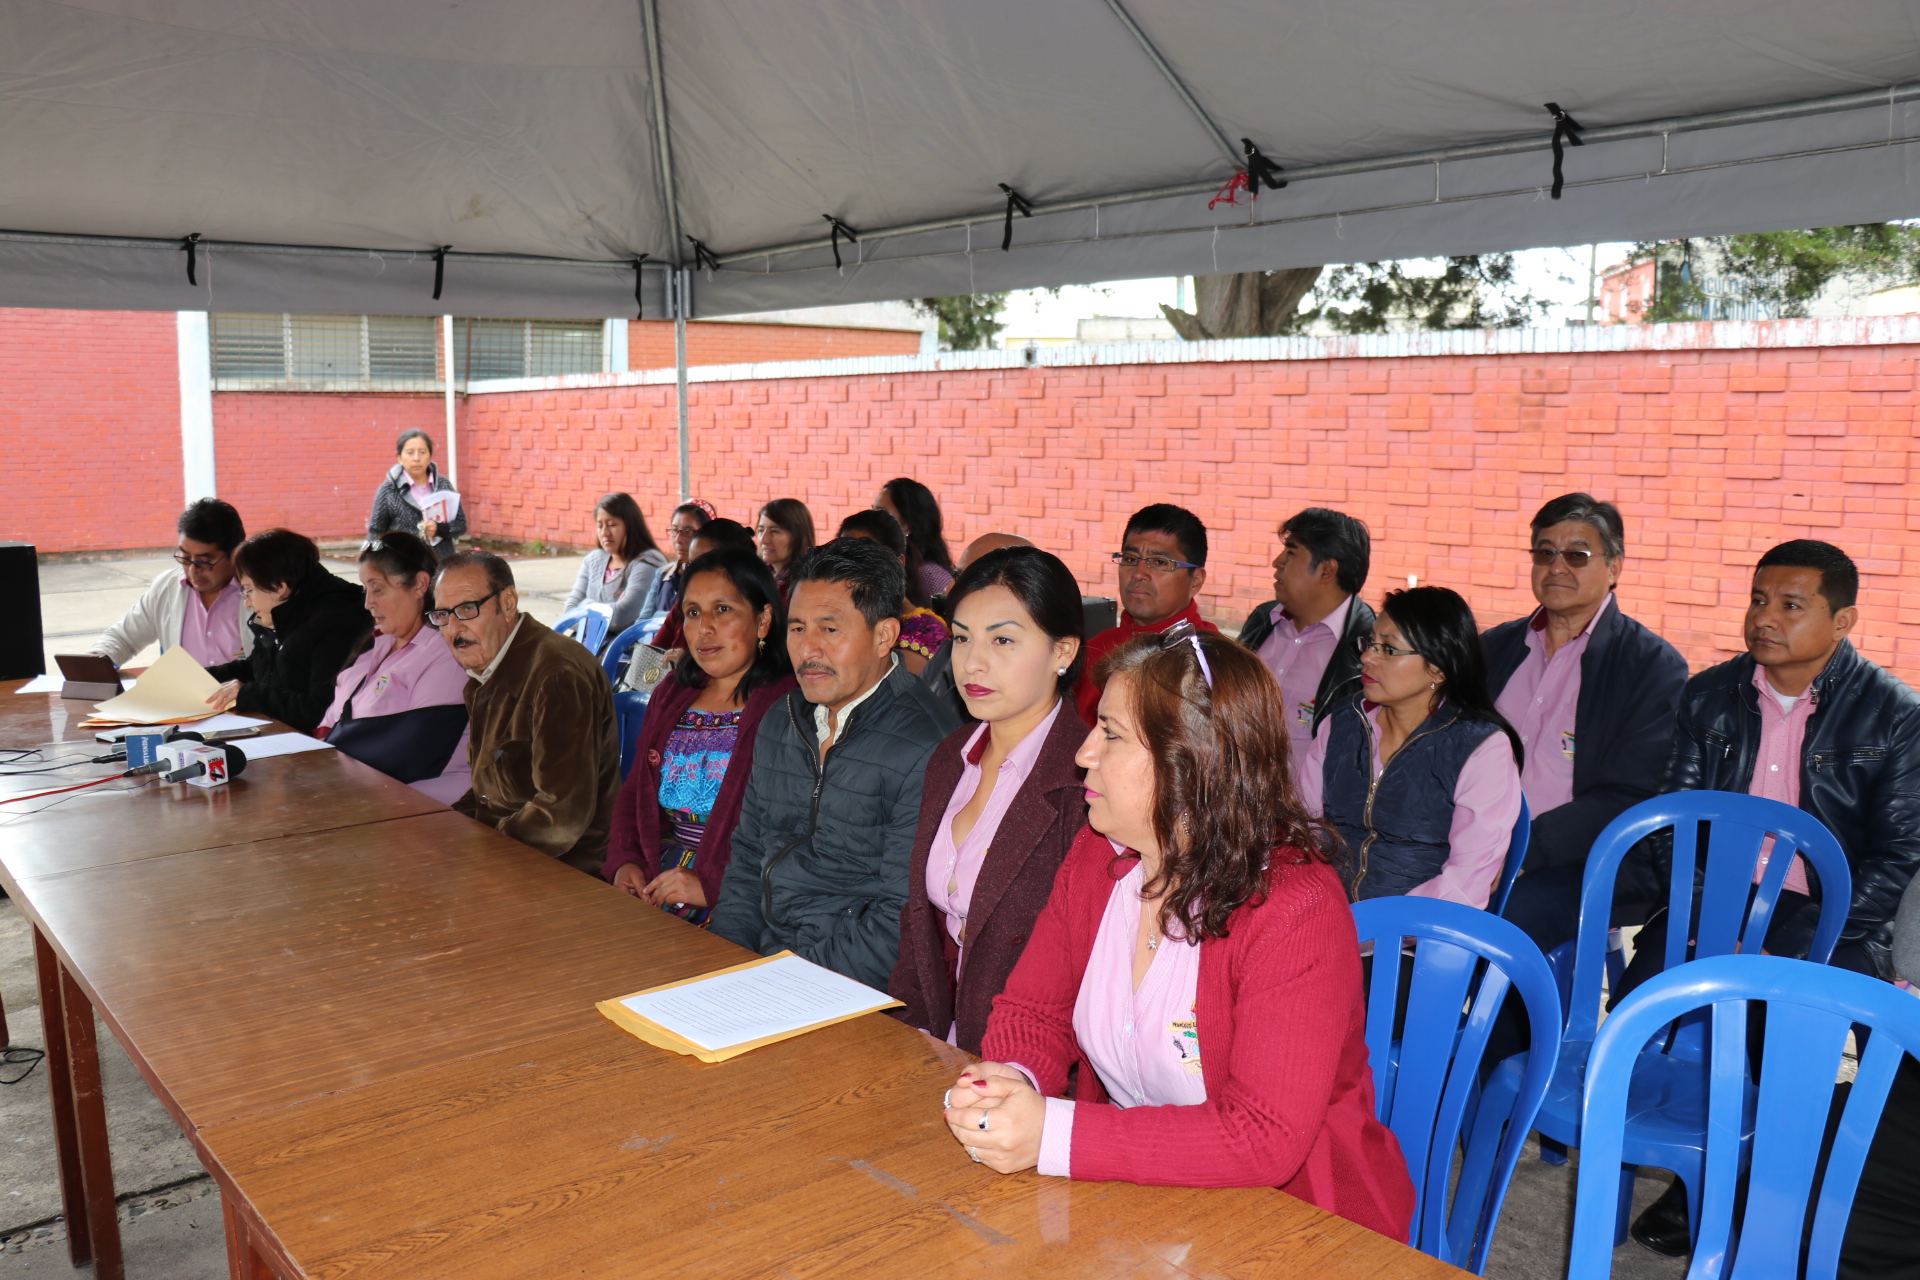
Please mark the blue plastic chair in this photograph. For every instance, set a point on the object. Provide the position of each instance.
(1426, 1084)
(1782, 1124)
(1668, 1130)
(588, 626)
(616, 652)
(629, 709)
(1516, 854)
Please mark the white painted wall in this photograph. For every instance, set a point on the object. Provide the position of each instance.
(196, 405)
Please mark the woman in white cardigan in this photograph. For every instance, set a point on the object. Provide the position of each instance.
(620, 571)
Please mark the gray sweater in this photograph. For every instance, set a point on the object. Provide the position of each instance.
(627, 593)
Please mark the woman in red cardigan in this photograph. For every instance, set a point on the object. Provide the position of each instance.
(1002, 799)
(1197, 959)
(673, 824)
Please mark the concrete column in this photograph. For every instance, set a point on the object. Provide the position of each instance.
(196, 405)
(617, 345)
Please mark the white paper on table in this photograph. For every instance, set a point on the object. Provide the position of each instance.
(51, 683)
(225, 722)
(174, 688)
(441, 508)
(750, 1004)
(278, 744)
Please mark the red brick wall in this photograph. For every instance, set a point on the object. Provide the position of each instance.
(1712, 455)
(311, 461)
(90, 422)
(650, 343)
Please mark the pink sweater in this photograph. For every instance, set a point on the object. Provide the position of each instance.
(1280, 1013)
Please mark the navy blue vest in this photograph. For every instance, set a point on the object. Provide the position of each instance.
(1404, 842)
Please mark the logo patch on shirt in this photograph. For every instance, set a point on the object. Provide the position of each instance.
(1303, 712)
(1186, 1043)
(1566, 743)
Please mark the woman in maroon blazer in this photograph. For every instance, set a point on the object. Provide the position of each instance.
(673, 824)
(1002, 799)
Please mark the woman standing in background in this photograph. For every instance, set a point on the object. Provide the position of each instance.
(409, 486)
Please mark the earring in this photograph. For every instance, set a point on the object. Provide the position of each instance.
(763, 645)
(1060, 671)
(1433, 686)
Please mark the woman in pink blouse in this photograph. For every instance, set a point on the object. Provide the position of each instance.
(1415, 768)
(1197, 960)
(401, 705)
(1002, 799)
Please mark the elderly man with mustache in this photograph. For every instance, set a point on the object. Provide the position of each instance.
(544, 749)
(821, 855)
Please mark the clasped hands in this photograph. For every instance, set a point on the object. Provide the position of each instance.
(1013, 1112)
(673, 887)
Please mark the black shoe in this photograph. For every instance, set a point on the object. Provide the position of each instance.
(1662, 1226)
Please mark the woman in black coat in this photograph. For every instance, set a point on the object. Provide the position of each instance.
(307, 625)
(411, 484)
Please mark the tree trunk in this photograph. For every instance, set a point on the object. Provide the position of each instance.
(1250, 304)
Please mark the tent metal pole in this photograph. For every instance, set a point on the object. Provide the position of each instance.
(453, 448)
(1179, 86)
(680, 282)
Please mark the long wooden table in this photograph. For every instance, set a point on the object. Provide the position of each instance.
(374, 1020)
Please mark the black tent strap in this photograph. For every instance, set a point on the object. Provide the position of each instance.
(1567, 129)
(439, 269)
(703, 257)
(187, 243)
(639, 280)
(839, 229)
(1014, 201)
(1261, 170)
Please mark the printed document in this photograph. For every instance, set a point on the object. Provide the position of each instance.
(751, 1004)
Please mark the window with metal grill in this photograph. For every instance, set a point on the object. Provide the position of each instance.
(273, 352)
(528, 348)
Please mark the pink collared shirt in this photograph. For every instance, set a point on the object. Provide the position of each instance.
(1776, 769)
(1540, 700)
(1144, 1044)
(1298, 657)
(1486, 804)
(422, 673)
(953, 869)
(212, 636)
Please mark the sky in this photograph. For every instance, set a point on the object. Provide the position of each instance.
(1558, 276)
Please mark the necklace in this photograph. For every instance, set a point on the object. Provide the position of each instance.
(1153, 944)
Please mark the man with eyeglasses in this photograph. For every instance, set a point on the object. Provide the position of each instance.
(542, 739)
(1163, 564)
(196, 606)
(1593, 694)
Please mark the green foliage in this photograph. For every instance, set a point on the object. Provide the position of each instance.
(1782, 270)
(966, 321)
(1475, 291)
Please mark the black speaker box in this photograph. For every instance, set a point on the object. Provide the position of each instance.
(22, 649)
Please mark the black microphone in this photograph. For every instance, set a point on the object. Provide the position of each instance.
(236, 765)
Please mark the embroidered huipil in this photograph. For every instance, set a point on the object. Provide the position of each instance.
(692, 767)
(212, 636)
(388, 679)
(1776, 769)
(1298, 658)
(1540, 701)
(953, 868)
(1144, 1044)
(1486, 804)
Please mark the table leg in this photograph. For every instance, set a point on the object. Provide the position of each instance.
(66, 1131)
(243, 1260)
(90, 1116)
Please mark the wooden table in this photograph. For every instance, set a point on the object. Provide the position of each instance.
(374, 1020)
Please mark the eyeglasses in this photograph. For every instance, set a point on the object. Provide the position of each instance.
(466, 611)
(1543, 557)
(198, 562)
(1184, 632)
(1367, 645)
(1159, 564)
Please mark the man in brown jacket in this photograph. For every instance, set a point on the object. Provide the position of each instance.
(545, 752)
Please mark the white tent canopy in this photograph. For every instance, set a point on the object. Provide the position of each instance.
(323, 151)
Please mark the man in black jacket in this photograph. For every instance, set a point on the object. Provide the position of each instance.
(826, 830)
(1592, 693)
(1309, 632)
(1804, 719)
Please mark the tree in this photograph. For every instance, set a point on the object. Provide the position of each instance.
(967, 321)
(1249, 304)
(1782, 270)
(1474, 291)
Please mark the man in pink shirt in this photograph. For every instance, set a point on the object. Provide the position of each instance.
(196, 606)
(1309, 632)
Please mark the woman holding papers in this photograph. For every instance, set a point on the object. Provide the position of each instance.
(307, 624)
(673, 824)
(406, 501)
(1197, 960)
(620, 571)
(401, 705)
(1003, 799)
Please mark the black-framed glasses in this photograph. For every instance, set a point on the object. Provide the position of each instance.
(1159, 564)
(199, 562)
(466, 610)
(1543, 557)
(1367, 644)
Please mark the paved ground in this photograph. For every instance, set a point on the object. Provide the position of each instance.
(170, 1208)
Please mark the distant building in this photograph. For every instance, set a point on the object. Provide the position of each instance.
(1626, 291)
(1096, 331)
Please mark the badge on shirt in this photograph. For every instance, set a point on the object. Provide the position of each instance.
(1566, 743)
(1186, 1043)
(1303, 712)
(380, 684)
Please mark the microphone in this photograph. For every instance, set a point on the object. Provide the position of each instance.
(202, 765)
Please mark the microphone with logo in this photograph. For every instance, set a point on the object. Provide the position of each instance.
(196, 763)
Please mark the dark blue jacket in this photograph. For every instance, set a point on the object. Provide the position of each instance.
(1399, 830)
(1630, 683)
